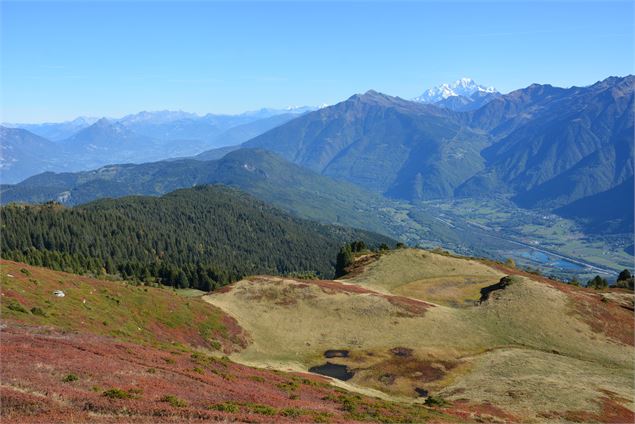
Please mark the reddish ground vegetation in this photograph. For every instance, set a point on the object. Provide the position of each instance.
(329, 286)
(237, 335)
(35, 364)
(602, 315)
(484, 412)
(411, 306)
(611, 411)
(117, 382)
(606, 317)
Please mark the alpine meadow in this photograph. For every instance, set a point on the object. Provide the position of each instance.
(317, 212)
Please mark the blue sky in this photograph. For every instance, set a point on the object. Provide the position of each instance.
(61, 60)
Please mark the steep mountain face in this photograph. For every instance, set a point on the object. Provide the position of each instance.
(543, 145)
(386, 144)
(23, 153)
(553, 146)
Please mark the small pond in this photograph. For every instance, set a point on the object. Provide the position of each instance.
(341, 372)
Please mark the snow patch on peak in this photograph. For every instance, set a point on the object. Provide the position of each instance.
(462, 87)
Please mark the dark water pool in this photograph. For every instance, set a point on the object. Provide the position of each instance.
(341, 372)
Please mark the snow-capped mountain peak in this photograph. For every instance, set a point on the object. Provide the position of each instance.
(465, 87)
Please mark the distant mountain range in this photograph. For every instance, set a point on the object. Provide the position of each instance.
(23, 154)
(87, 143)
(545, 146)
(56, 131)
(542, 146)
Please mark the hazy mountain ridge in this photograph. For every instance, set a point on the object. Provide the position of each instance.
(87, 143)
(23, 153)
(56, 131)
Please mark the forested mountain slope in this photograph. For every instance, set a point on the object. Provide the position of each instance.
(201, 237)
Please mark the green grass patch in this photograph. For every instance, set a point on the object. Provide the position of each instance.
(116, 393)
(230, 407)
(292, 412)
(38, 311)
(70, 378)
(174, 401)
(258, 408)
(14, 305)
